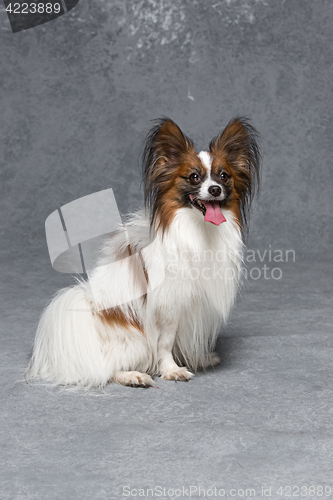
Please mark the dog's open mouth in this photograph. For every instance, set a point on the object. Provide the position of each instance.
(210, 208)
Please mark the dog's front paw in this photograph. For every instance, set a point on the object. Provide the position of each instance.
(178, 373)
(133, 379)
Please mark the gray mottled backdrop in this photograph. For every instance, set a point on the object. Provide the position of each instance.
(77, 95)
(76, 98)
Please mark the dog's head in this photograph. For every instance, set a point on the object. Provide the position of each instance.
(225, 177)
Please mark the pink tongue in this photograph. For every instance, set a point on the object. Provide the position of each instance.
(213, 212)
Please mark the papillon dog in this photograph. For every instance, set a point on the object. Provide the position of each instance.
(166, 280)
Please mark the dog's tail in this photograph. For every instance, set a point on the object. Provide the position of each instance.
(67, 348)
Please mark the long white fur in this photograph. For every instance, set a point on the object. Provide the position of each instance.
(193, 272)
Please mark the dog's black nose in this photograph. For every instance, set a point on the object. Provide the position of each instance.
(214, 190)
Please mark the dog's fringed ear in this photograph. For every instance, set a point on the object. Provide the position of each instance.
(238, 144)
(165, 143)
(165, 148)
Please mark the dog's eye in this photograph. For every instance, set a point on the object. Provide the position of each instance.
(224, 176)
(194, 178)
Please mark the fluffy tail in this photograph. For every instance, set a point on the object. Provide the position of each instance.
(67, 348)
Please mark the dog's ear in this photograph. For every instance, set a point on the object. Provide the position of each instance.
(238, 145)
(165, 148)
(165, 143)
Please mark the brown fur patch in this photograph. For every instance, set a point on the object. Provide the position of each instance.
(137, 266)
(123, 252)
(219, 164)
(238, 151)
(166, 153)
(172, 198)
(116, 317)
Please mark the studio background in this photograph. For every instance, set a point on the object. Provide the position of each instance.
(76, 99)
(78, 94)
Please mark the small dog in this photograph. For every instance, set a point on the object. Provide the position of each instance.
(166, 281)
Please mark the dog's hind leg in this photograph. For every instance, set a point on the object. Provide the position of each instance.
(212, 359)
(133, 379)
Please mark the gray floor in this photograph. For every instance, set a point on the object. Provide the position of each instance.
(261, 419)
